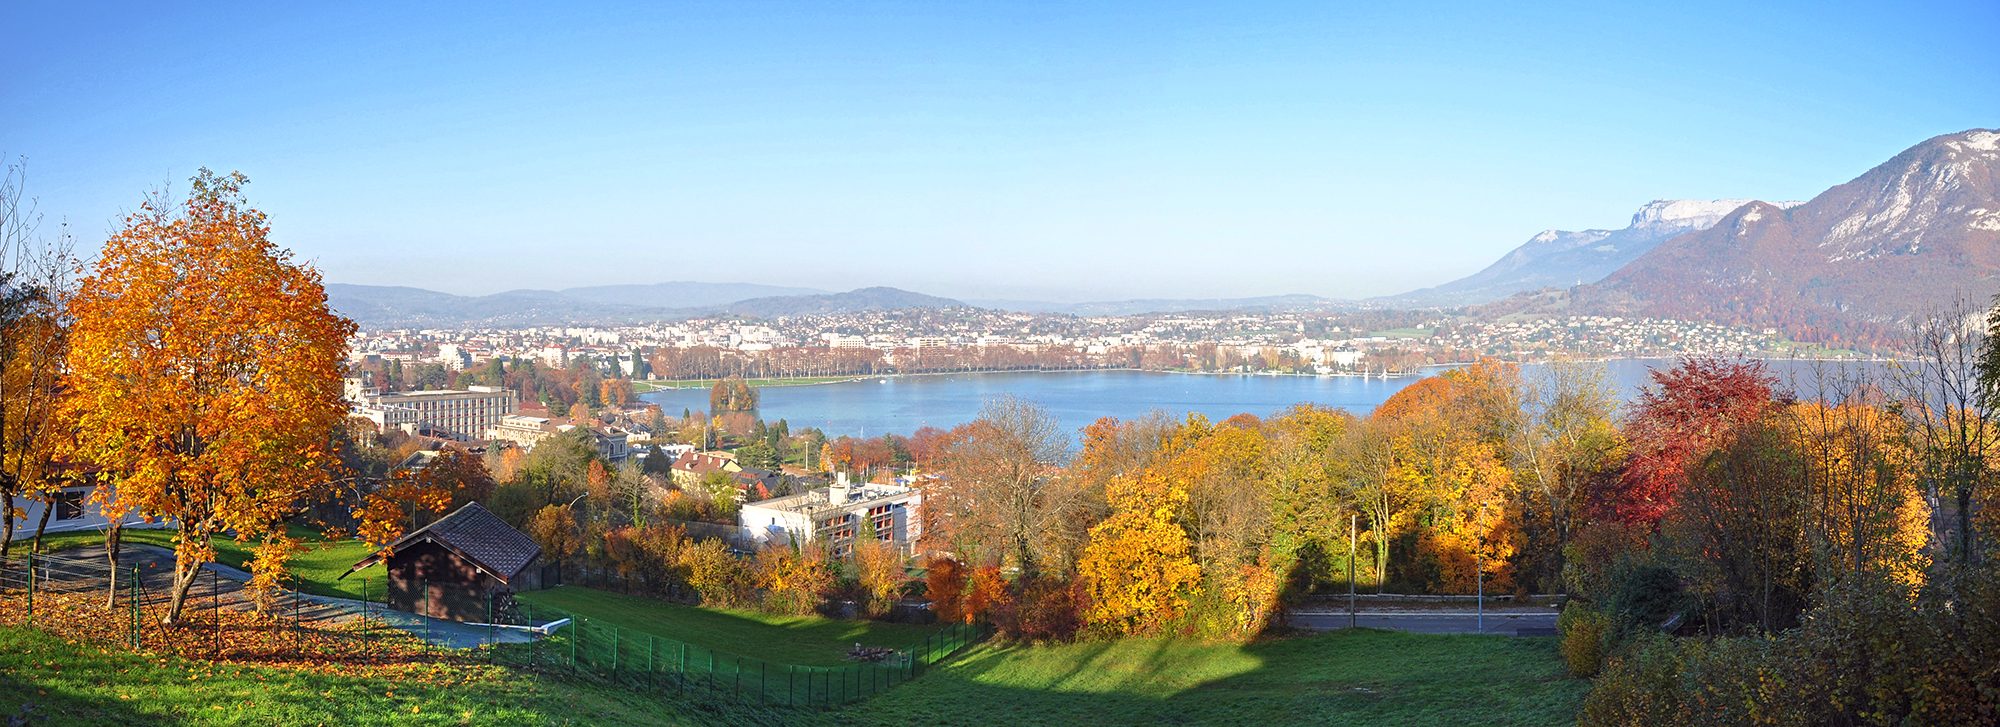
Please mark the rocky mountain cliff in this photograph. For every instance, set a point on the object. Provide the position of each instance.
(1560, 258)
(1919, 230)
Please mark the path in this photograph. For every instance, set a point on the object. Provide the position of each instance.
(1508, 623)
(223, 588)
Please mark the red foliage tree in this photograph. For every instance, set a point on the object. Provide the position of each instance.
(1687, 413)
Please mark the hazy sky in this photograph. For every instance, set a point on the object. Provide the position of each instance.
(1063, 151)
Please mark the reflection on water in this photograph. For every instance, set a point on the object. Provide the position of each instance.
(872, 407)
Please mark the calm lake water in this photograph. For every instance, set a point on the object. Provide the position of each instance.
(872, 407)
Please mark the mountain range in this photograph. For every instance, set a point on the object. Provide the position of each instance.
(1561, 258)
(1918, 231)
(1852, 263)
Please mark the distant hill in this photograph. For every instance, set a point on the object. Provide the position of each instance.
(1919, 230)
(848, 302)
(376, 307)
(1169, 305)
(1560, 258)
(680, 294)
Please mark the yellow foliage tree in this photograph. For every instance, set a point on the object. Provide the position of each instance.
(1139, 567)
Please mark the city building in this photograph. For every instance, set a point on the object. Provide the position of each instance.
(689, 468)
(525, 430)
(465, 414)
(836, 515)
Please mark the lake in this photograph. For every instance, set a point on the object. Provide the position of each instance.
(902, 404)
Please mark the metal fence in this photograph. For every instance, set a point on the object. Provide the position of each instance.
(661, 665)
(76, 596)
(73, 596)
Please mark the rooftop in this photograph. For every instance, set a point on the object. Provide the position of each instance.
(821, 498)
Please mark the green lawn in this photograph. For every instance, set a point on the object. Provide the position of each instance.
(67, 683)
(317, 569)
(1405, 333)
(798, 640)
(641, 387)
(1374, 678)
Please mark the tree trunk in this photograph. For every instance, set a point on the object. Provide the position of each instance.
(7, 514)
(112, 539)
(183, 577)
(183, 580)
(48, 508)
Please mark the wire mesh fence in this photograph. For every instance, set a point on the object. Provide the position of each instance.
(222, 620)
(661, 665)
(219, 618)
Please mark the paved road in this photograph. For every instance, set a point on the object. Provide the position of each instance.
(1509, 623)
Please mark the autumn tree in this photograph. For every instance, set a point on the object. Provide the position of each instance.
(616, 392)
(555, 529)
(944, 584)
(878, 568)
(207, 372)
(732, 394)
(1561, 437)
(35, 287)
(1688, 412)
(407, 500)
(1001, 491)
(1140, 566)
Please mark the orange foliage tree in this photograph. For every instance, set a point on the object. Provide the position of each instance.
(207, 373)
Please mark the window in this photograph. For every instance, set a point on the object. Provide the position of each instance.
(69, 504)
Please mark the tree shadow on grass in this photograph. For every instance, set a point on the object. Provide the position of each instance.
(1380, 679)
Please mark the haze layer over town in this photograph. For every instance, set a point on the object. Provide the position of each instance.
(983, 363)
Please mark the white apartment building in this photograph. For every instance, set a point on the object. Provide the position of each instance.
(834, 514)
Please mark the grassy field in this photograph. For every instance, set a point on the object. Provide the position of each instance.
(1380, 679)
(1375, 678)
(800, 640)
(65, 683)
(641, 387)
(317, 569)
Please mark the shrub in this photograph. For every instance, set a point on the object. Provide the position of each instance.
(1648, 595)
(1583, 632)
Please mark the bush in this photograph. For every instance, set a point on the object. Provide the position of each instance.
(1648, 595)
(1874, 652)
(1583, 632)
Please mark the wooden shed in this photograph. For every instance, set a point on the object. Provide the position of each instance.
(470, 561)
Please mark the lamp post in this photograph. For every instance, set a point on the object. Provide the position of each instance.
(1353, 523)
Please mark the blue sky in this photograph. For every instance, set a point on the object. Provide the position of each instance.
(1062, 151)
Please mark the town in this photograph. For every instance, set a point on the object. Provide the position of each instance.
(909, 341)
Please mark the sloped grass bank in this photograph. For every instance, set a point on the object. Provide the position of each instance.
(799, 640)
(61, 682)
(1375, 678)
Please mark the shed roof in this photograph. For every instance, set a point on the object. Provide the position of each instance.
(475, 534)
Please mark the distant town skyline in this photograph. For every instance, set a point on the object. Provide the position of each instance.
(981, 151)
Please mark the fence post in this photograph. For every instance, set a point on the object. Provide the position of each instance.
(652, 642)
(614, 651)
(489, 623)
(134, 599)
(214, 615)
(575, 635)
(791, 674)
(427, 611)
(31, 587)
(763, 682)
